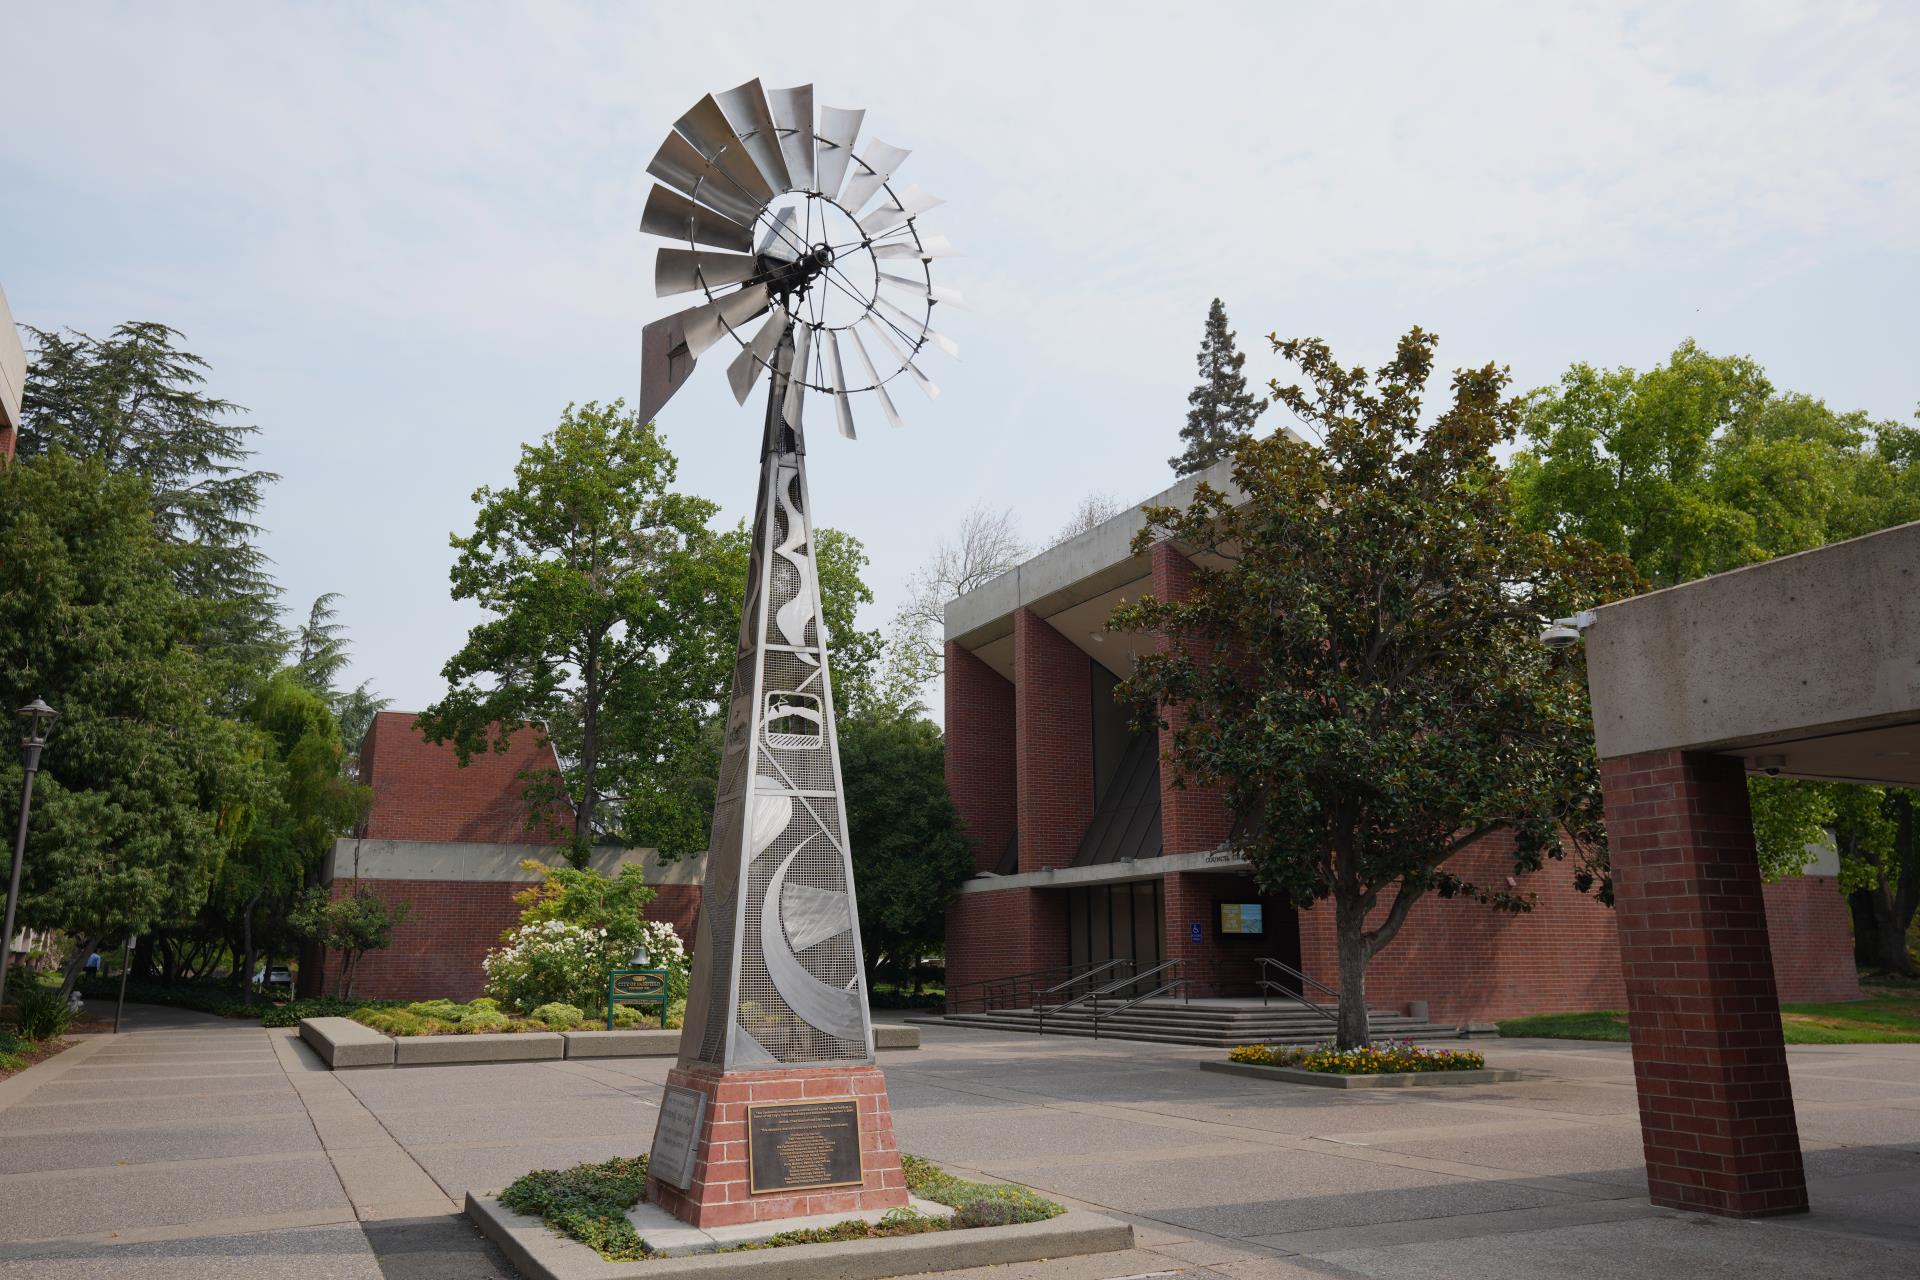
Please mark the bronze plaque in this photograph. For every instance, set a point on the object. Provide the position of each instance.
(800, 1146)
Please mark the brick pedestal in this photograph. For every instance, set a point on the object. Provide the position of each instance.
(718, 1194)
(1716, 1108)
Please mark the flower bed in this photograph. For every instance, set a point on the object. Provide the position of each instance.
(485, 1017)
(1386, 1057)
(589, 1203)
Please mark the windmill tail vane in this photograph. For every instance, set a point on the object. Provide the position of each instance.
(778, 210)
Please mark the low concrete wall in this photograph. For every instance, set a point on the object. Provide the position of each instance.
(622, 1044)
(345, 1044)
(506, 1046)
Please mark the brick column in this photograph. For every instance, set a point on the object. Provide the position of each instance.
(1716, 1107)
(980, 755)
(998, 934)
(1192, 817)
(1053, 735)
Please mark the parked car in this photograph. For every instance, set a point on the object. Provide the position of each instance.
(278, 976)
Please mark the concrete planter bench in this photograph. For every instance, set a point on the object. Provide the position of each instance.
(505, 1046)
(622, 1044)
(540, 1254)
(1394, 1080)
(345, 1044)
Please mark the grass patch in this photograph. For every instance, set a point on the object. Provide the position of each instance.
(1385, 1057)
(1890, 1015)
(589, 1203)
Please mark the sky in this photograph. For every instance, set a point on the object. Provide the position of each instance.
(404, 236)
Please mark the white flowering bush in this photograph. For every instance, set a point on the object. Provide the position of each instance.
(551, 962)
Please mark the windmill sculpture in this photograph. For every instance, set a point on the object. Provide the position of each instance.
(777, 213)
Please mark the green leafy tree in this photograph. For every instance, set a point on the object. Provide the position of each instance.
(672, 769)
(1700, 466)
(909, 851)
(350, 927)
(1360, 670)
(144, 788)
(320, 656)
(1221, 411)
(136, 402)
(307, 802)
(591, 567)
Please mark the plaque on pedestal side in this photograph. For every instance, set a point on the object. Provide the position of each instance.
(676, 1135)
(803, 1146)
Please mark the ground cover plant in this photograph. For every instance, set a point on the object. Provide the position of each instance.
(589, 1203)
(1383, 1057)
(485, 1016)
(1890, 1015)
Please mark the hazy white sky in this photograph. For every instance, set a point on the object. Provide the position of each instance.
(404, 235)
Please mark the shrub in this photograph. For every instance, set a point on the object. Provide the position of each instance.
(985, 1212)
(290, 1013)
(587, 1203)
(40, 1012)
(216, 998)
(480, 1024)
(558, 1017)
(1385, 1057)
(929, 1182)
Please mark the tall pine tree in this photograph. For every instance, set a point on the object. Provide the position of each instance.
(1223, 410)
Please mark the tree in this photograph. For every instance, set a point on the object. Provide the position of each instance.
(144, 786)
(134, 402)
(362, 921)
(1360, 673)
(909, 852)
(670, 769)
(320, 648)
(1221, 411)
(1700, 466)
(291, 825)
(1094, 510)
(986, 545)
(586, 565)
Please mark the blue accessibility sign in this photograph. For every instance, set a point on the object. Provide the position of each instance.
(1193, 933)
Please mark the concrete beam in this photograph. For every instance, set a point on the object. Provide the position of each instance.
(1820, 642)
(435, 860)
(1109, 872)
(1091, 564)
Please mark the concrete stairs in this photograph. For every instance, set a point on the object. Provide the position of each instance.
(1207, 1025)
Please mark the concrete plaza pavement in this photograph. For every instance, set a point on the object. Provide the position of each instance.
(195, 1147)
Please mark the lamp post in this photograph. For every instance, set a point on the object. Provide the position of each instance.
(36, 719)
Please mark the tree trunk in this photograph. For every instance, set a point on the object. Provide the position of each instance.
(246, 969)
(76, 965)
(1350, 923)
(589, 757)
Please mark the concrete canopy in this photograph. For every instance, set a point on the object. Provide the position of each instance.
(1808, 665)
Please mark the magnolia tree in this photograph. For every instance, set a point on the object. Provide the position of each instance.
(577, 926)
(1358, 663)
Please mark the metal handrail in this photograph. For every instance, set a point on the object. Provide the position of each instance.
(1181, 983)
(1298, 997)
(1040, 1012)
(1077, 979)
(1009, 983)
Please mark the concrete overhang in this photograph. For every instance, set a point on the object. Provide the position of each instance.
(1221, 860)
(13, 368)
(1074, 586)
(1813, 658)
(452, 860)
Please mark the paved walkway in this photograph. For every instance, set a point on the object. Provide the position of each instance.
(192, 1147)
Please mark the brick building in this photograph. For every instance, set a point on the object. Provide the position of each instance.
(1086, 850)
(449, 841)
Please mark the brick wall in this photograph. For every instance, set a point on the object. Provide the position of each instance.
(1053, 736)
(1192, 817)
(1216, 965)
(1474, 964)
(436, 952)
(1811, 936)
(1716, 1105)
(421, 791)
(980, 753)
(996, 935)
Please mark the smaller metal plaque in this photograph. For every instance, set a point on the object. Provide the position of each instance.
(799, 1146)
(676, 1135)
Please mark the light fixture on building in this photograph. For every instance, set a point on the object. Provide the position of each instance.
(1564, 633)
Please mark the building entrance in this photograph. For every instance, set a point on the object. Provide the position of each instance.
(1116, 922)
